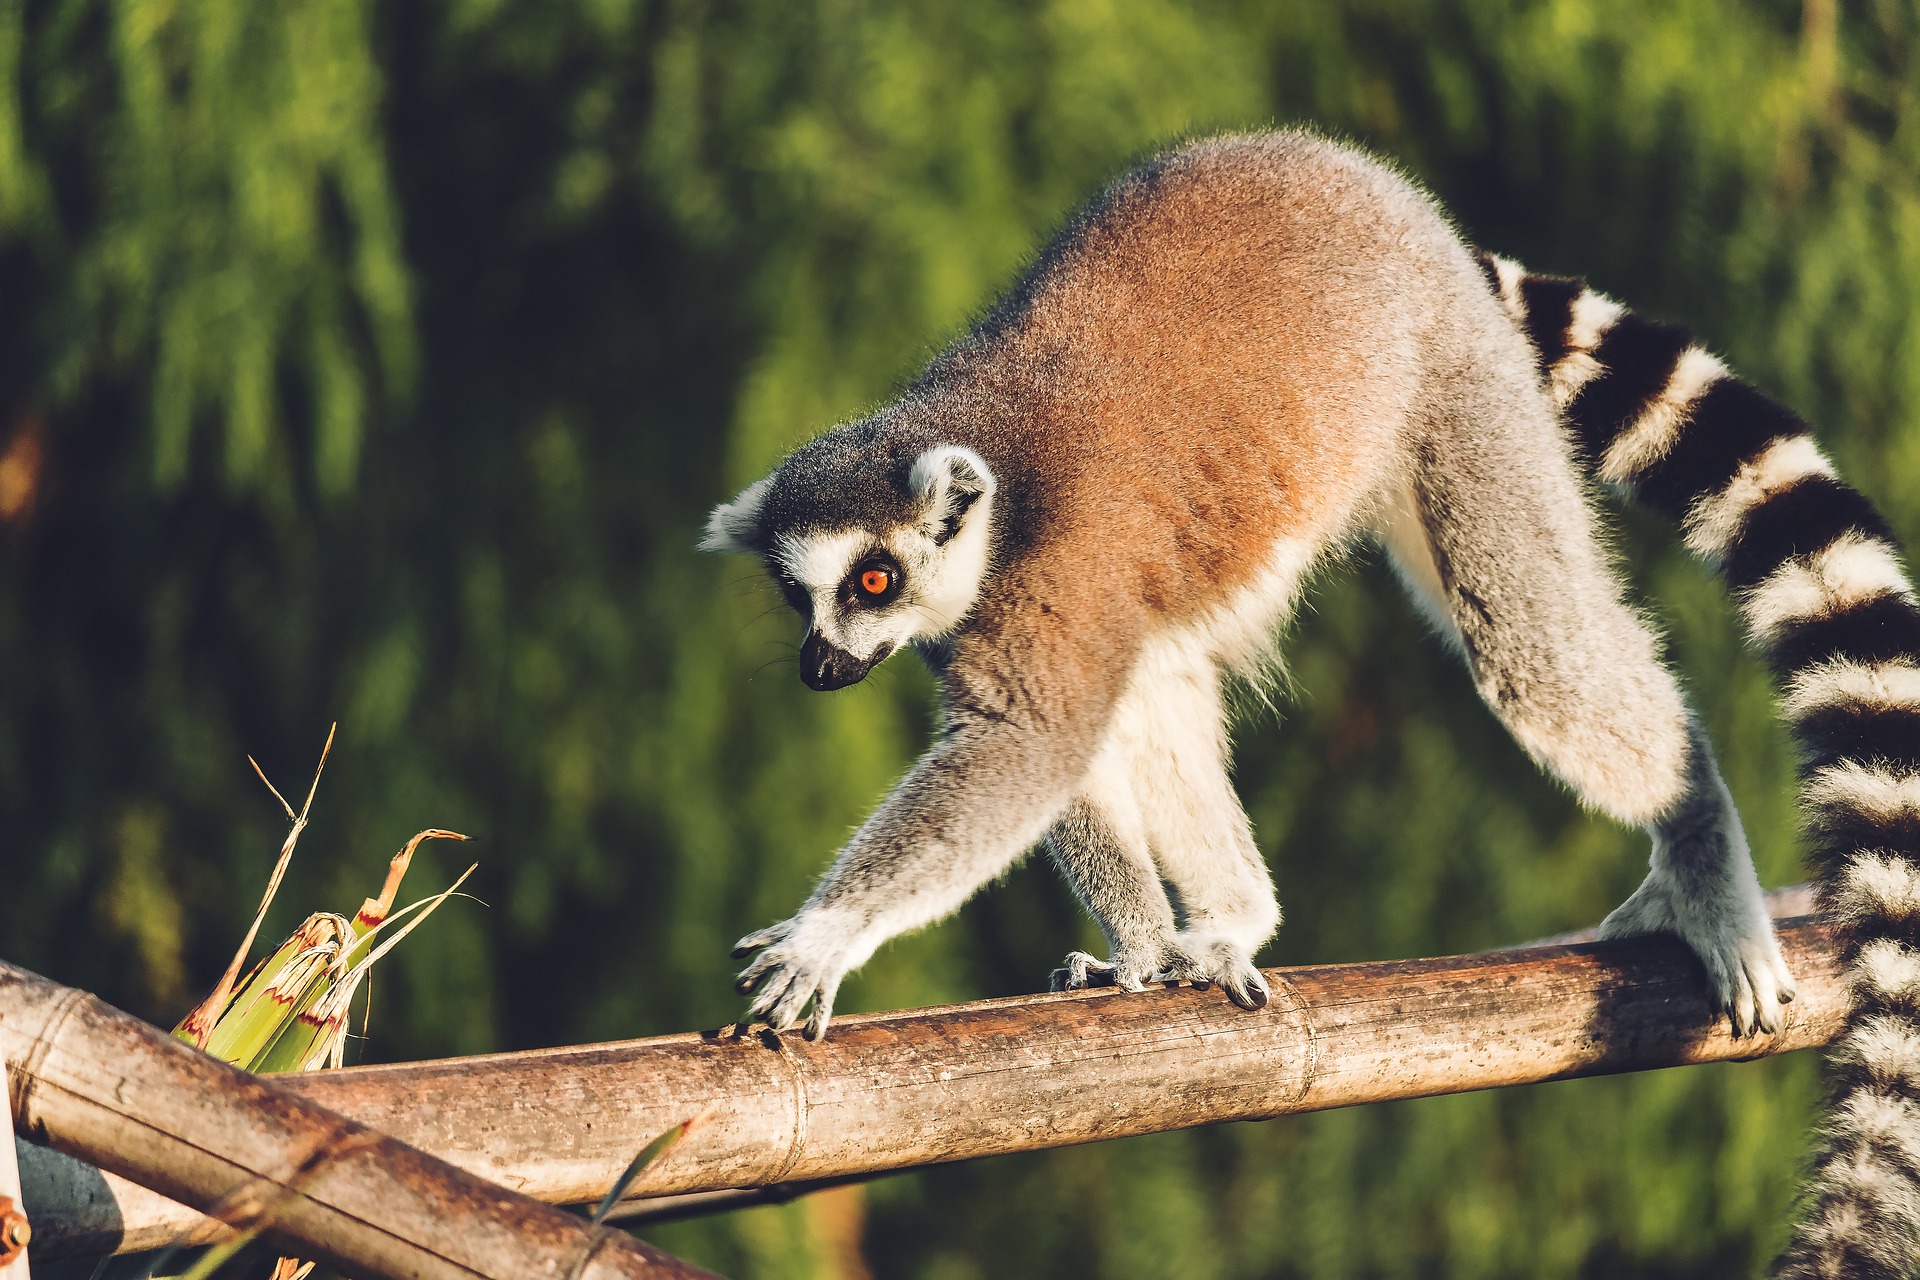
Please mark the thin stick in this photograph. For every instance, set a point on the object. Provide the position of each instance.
(198, 1025)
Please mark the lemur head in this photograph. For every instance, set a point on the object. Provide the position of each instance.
(872, 551)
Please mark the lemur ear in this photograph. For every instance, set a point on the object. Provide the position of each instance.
(735, 525)
(951, 479)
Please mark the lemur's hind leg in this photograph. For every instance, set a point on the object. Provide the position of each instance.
(1157, 806)
(1172, 726)
(1100, 847)
(1496, 541)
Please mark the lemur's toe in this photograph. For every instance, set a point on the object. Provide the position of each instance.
(822, 1014)
(1081, 971)
(1243, 983)
(1741, 1012)
(752, 943)
(1751, 994)
(1772, 988)
(1249, 991)
(1756, 985)
(1207, 961)
(1179, 966)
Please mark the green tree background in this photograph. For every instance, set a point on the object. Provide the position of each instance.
(379, 362)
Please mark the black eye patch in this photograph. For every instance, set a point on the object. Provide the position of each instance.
(795, 594)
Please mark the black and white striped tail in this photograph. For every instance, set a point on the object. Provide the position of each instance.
(1820, 586)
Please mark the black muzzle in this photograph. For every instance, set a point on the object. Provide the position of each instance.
(825, 666)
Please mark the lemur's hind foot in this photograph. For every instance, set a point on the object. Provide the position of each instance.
(1202, 960)
(1080, 971)
(1208, 959)
(1131, 969)
(1731, 934)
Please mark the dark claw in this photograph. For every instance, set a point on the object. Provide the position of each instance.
(745, 949)
(1246, 995)
(745, 986)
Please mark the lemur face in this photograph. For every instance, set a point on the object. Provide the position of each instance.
(908, 569)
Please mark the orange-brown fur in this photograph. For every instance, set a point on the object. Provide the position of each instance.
(1183, 395)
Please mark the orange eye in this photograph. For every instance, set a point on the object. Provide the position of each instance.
(875, 582)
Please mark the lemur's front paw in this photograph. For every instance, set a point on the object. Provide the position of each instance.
(1733, 937)
(1208, 958)
(799, 960)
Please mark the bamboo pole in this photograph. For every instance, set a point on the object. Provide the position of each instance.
(104, 1086)
(895, 1090)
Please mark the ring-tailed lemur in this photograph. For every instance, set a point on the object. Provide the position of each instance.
(1101, 502)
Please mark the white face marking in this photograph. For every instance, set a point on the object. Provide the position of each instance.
(820, 562)
(940, 561)
(943, 581)
(939, 582)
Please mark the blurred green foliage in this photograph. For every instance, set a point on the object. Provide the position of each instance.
(379, 362)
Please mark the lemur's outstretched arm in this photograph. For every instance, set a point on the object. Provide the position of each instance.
(956, 821)
(1014, 745)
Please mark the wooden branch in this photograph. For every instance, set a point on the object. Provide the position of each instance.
(104, 1086)
(895, 1090)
